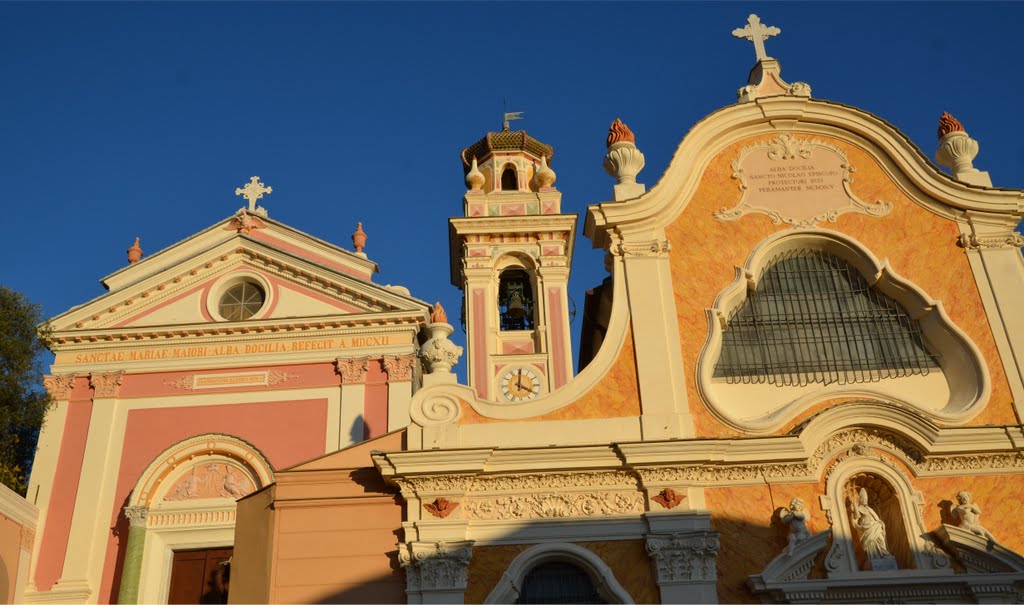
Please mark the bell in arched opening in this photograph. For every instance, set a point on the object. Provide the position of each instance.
(515, 300)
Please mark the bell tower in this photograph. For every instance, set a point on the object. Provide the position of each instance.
(510, 256)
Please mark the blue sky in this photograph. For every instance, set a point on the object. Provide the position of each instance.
(125, 119)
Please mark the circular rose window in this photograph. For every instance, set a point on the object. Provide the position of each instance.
(241, 301)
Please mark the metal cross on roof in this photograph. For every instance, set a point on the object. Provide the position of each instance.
(253, 191)
(757, 33)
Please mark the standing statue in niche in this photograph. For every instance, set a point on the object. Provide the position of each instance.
(796, 516)
(969, 515)
(870, 527)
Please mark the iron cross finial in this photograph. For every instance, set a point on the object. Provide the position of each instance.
(253, 191)
(757, 33)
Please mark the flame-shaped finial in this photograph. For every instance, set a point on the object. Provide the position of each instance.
(438, 316)
(948, 124)
(134, 253)
(359, 238)
(619, 132)
(474, 178)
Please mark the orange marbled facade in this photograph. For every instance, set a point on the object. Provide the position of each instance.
(615, 395)
(705, 252)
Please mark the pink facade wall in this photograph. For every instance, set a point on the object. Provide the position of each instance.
(375, 401)
(287, 432)
(54, 544)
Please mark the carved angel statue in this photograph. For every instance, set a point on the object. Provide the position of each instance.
(187, 489)
(969, 515)
(870, 527)
(796, 517)
(234, 488)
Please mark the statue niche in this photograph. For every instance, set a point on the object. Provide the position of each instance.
(879, 537)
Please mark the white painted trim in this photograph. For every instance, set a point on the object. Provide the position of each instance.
(508, 587)
(158, 555)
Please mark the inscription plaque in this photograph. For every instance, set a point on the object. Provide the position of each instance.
(799, 182)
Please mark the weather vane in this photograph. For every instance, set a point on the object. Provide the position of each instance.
(509, 115)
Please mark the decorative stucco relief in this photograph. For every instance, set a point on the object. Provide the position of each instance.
(553, 506)
(214, 480)
(796, 181)
(974, 242)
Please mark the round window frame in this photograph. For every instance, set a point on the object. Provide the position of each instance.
(221, 288)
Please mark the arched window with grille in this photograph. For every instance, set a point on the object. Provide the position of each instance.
(558, 582)
(815, 319)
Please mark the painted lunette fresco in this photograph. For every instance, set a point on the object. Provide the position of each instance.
(705, 251)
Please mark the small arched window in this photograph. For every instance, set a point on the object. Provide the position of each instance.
(509, 179)
(515, 300)
(558, 582)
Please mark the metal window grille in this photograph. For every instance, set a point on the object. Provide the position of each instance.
(814, 319)
(558, 582)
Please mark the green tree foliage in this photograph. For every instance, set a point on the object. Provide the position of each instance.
(23, 400)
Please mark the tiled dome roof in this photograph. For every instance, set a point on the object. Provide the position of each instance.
(506, 140)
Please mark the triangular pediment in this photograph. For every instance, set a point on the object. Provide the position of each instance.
(186, 284)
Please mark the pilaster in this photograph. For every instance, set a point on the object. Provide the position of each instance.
(353, 397)
(83, 562)
(436, 572)
(400, 370)
(665, 413)
(685, 565)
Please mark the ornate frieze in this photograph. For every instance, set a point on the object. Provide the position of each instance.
(554, 505)
(212, 480)
(105, 384)
(399, 367)
(653, 248)
(59, 385)
(684, 556)
(352, 371)
(435, 566)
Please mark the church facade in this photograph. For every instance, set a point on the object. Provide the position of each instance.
(801, 381)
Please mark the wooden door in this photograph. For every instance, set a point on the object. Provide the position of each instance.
(200, 576)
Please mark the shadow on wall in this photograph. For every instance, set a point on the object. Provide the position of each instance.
(7, 579)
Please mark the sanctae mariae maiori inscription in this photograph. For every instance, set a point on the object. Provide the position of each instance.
(800, 182)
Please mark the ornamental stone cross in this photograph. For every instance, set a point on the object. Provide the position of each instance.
(757, 33)
(253, 191)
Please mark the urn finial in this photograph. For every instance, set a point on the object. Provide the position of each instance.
(623, 161)
(957, 151)
(474, 178)
(359, 238)
(545, 176)
(134, 253)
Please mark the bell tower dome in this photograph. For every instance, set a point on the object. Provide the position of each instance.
(510, 256)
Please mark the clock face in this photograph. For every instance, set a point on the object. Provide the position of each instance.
(520, 384)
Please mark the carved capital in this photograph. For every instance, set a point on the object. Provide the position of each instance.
(59, 385)
(353, 370)
(684, 556)
(28, 538)
(399, 367)
(652, 248)
(974, 242)
(105, 384)
(136, 515)
(440, 566)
